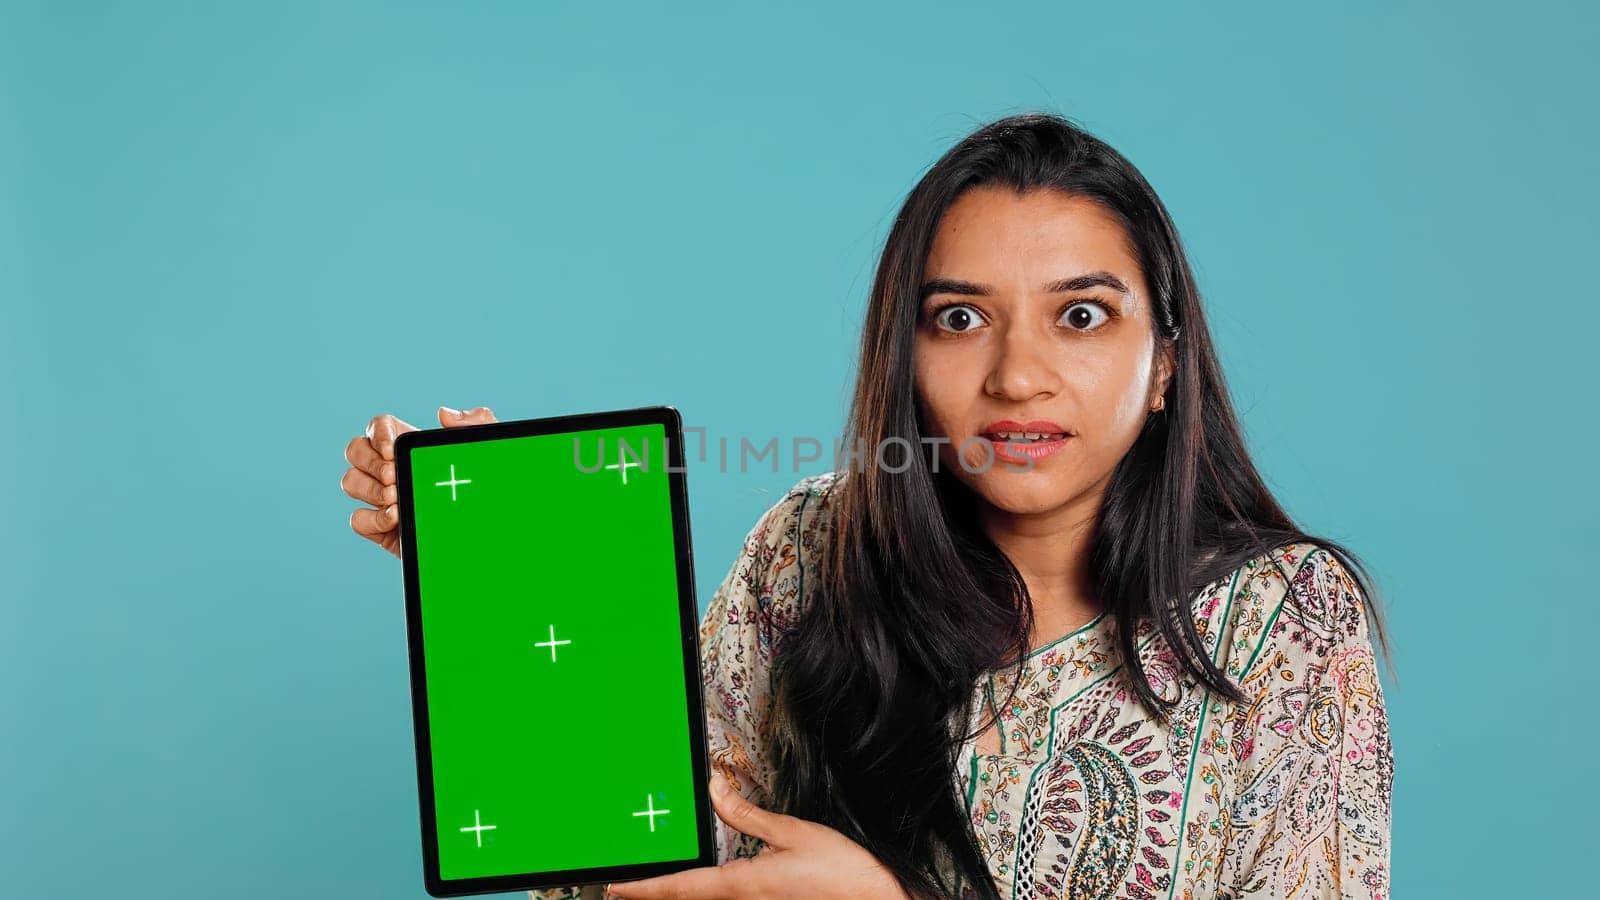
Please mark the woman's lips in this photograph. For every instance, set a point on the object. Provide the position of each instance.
(1025, 452)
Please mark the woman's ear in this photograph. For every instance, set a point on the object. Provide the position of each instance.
(1166, 362)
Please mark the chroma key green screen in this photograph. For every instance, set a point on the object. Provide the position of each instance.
(553, 653)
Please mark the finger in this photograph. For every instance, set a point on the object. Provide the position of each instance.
(376, 524)
(361, 454)
(710, 883)
(452, 418)
(382, 431)
(778, 830)
(361, 486)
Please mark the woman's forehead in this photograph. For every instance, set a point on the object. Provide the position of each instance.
(1020, 243)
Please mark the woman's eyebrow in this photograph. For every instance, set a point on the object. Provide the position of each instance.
(974, 289)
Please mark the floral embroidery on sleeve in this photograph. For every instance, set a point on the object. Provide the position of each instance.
(743, 623)
(1311, 817)
(586, 892)
(740, 634)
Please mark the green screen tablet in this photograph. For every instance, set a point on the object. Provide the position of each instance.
(554, 652)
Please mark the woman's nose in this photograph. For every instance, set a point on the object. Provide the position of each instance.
(1022, 369)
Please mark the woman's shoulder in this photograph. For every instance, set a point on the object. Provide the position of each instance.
(766, 587)
(795, 521)
(810, 497)
(1311, 735)
(1300, 597)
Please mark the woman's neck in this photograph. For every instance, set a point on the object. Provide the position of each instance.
(1051, 551)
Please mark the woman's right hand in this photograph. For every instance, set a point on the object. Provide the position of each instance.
(371, 476)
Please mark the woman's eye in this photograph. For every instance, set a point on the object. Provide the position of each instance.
(1085, 315)
(957, 318)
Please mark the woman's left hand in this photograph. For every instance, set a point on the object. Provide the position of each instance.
(801, 859)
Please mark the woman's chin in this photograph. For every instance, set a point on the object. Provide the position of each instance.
(1022, 495)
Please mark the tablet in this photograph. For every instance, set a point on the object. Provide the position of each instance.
(554, 652)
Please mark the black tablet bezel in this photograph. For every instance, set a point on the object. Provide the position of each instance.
(672, 423)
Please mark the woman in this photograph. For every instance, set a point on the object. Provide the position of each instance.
(1049, 634)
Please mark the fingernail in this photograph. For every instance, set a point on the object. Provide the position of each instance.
(453, 412)
(389, 512)
(390, 493)
(719, 784)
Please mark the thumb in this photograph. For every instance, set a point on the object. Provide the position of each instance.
(451, 418)
(778, 830)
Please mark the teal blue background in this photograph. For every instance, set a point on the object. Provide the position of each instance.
(228, 237)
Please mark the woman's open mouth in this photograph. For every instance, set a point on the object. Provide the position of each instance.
(1024, 443)
(1032, 437)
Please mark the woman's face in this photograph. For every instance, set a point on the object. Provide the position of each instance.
(1034, 312)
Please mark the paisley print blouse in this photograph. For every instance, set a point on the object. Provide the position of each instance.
(1284, 796)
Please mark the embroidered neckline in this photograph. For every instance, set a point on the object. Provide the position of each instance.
(1080, 630)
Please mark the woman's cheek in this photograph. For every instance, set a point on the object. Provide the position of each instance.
(1113, 390)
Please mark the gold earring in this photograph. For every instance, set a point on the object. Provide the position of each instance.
(1161, 403)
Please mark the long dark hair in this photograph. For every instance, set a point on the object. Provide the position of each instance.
(915, 603)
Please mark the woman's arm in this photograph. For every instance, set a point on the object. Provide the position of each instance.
(742, 627)
(739, 629)
(1311, 815)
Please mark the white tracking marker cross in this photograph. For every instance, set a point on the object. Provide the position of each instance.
(452, 482)
(651, 811)
(478, 827)
(623, 464)
(552, 643)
